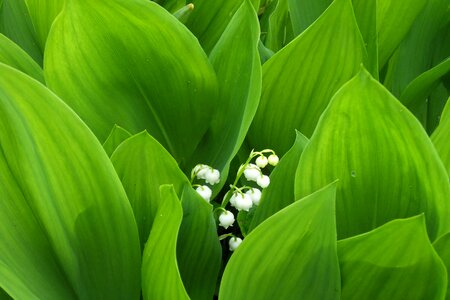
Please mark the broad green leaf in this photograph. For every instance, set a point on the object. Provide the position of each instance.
(12, 55)
(394, 261)
(143, 165)
(442, 247)
(199, 252)
(299, 80)
(273, 263)
(15, 23)
(210, 19)
(365, 13)
(304, 12)
(436, 104)
(264, 52)
(279, 30)
(115, 138)
(414, 54)
(394, 20)
(3, 294)
(236, 61)
(280, 192)
(160, 276)
(169, 93)
(440, 137)
(184, 13)
(171, 5)
(386, 165)
(60, 184)
(42, 14)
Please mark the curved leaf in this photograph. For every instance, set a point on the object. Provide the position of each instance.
(160, 276)
(442, 247)
(143, 165)
(236, 61)
(279, 30)
(198, 249)
(274, 263)
(386, 165)
(115, 138)
(162, 82)
(394, 261)
(12, 55)
(56, 175)
(311, 68)
(15, 23)
(305, 12)
(280, 192)
(440, 137)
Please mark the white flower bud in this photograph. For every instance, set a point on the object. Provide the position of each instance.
(255, 195)
(233, 199)
(261, 161)
(273, 159)
(243, 202)
(234, 242)
(200, 171)
(226, 219)
(252, 172)
(205, 192)
(263, 181)
(212, 176)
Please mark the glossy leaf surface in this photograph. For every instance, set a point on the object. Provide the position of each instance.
(368, 141)
(441, 139)
(115, 138)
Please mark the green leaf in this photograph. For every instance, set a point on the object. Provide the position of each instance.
(160, 276)
(42, 14)
(209, 20)
(304, 12)
(394, 20)
(236, 61)
(442, 247)
(414, 54)
(115, 138)
(435, 105)
(279, 31)
(169, 93)
(172, 5)
(143, 165)
(440, 137)
(280, 192)
(12, 55)
(69, 203)
(198, 249)
(311, 68)
(386, 165)
(394, 261)
(273, 263)
(15, 23)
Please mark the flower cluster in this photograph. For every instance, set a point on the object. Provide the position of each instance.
(241, 198)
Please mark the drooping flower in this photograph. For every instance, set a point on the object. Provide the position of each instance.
(205, 192)
(261, 161)
(273, 159)
(226, 219)
(234, 242)
(263, 181)
(212, 176)
(252, 172)
(255, 195)
(243, 202)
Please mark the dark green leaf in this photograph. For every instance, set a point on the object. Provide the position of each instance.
(441, 139)
(442, 247)
(305, 12)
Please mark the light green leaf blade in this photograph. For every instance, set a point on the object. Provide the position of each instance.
(280, 192)
(143, 165)
(69, 184)
(442, 247)
(273, 263)
(160, 276)
(115, 138)
(199, 252)
(386, 165)
(394, 261)
(440, 137)
(394, 20)
(304, 12)
(15, 23)
(42, 14)
(12, 55)
(172, 5)
(311, 68)
(235, 59)
(132, 92)
(279, 30)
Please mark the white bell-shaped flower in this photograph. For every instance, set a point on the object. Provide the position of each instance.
(255, 195)
(243, 202)
(212, 176)
(273, 159)
(252, 172)
(261, 161)
(205, 192)
(200, 171)
(226, 219)
(234, 242)
(263, 181)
